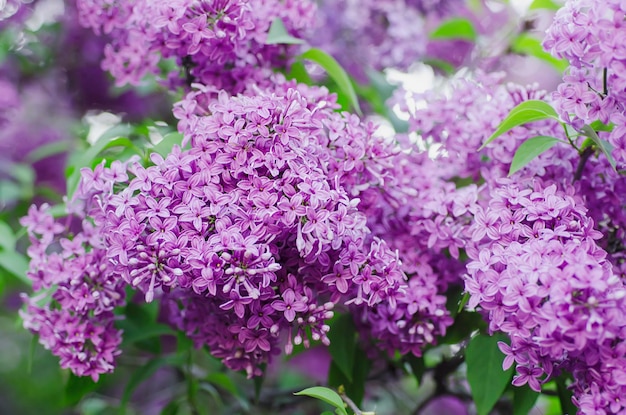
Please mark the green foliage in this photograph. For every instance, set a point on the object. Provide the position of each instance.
(526, 44)
(530, 149)
(164, 147)
(342, 346)
(327, 395)
(486, 378)
(524, 113)
(544, 4)
(77, 387)
(524, 400)
(457, 28)
(336, 72)
(278, 34)
(604, 146)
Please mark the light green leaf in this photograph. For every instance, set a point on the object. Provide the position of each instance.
(16, 264)
(524, 113)
(87, 158)
(164, 148)
(604, 146)
(7, 237)
(524, 399)
(336, 72)
(327, 395)
(530, 149)
(544, 4)
(298, 72)
(457, 28)
(486, 378)
(278, 35)
(48, 150)
(526, 44)
(342, 344)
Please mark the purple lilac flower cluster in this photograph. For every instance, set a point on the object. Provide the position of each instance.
(370, 34)
(589, 34)
(251, 224)
(460, 117)
(540, 277)
(76, 291)
(218, 42)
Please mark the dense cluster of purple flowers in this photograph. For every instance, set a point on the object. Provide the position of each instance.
(589, 34)
(76, 292)
(219, 42)
(541, 278)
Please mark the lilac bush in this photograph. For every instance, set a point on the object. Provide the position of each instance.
(273, 214)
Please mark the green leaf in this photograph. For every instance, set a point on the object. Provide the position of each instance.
(604, 146)
(298, 72)
(171, 408)
(144, 372)
(48, 150)
(164, 147)
(530, 149)
(565, 396)
(418, 367)
(86, 159)
(544, 4)
(486, 378)
(16, 264)
(465, 323)
(446, 67)
(526, 44)
(7, 237)
(77, 387)
(524, 113)
(342, 336)
(336, 72)
(457, 28)
(325, 394)
(600, 126)
(223, 381)
(278, 35)
(524, 399)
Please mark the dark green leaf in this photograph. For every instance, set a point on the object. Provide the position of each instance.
(278, 34)
(77, 387)
(565, 396)
(465, 323)
(336, 72)
(342, 336)
(325, 394)
(530, 149)
(604, 146)
(524, 399)
(457, 28)
(144, 372)
(418, 367)
(223, 381)
(486, 378)
(171, 408)
(524, 113)
(526, 44)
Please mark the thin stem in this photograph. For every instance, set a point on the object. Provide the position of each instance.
(569, 138)
(604, 81)
(584, 156)
(353, 406)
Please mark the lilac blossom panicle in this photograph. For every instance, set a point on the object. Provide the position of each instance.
(254, 222)
(75, 294)
(220, 43)
(590, 35)
(541, 278)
